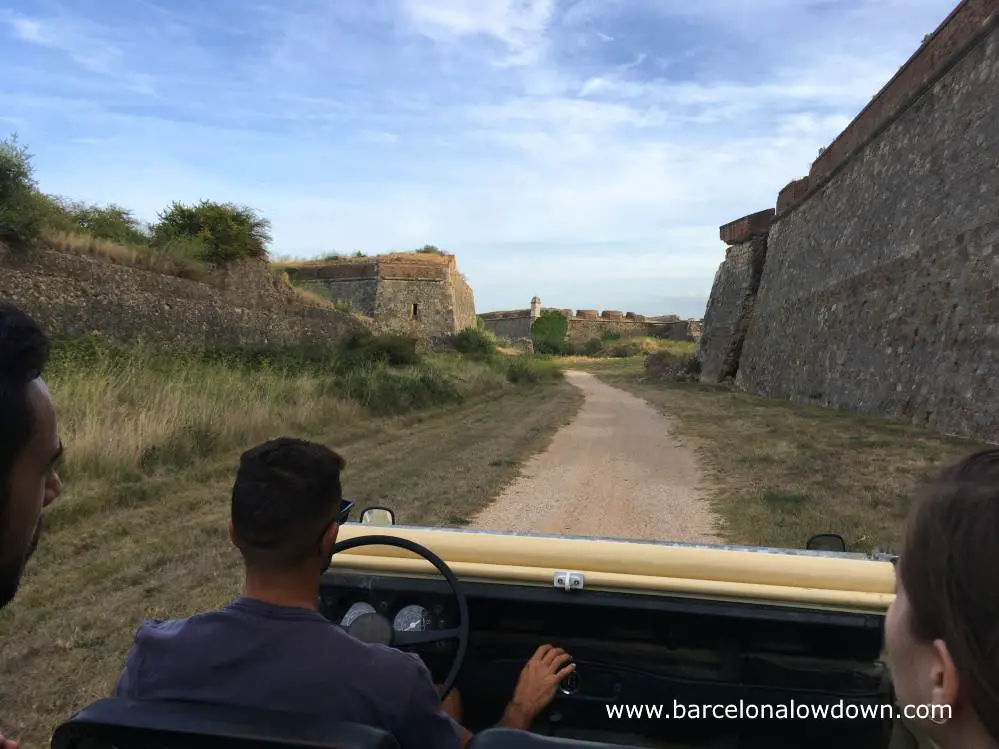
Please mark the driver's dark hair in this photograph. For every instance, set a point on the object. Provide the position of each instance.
(949, 569)
(24, 352)
(287, 491)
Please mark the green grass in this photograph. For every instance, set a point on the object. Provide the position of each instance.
(152, 441)
(783, 472)
(130, 410)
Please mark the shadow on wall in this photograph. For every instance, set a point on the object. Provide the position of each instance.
(872, 286)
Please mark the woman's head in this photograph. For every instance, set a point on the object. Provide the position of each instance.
(942, 631)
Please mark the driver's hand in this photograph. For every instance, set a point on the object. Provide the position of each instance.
(540, 678)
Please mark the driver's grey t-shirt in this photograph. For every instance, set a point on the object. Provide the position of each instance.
(259, 655)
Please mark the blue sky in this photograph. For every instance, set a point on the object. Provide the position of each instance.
(582, 150)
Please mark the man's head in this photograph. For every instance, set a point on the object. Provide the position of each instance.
(287, 506)
(29, 444)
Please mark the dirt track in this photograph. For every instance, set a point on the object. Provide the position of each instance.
(615, 470)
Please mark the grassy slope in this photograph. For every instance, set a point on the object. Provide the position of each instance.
(784, 472)
(152, 444)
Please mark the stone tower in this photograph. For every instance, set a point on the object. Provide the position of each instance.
(535, 308)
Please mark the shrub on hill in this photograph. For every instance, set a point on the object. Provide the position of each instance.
(220, 232)
(475, 342)
(548, 332)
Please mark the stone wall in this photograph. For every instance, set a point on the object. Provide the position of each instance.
(733, 294)
(587, 324)
(512, 328)
(244, 306)
(880, 289)
(410, 293)
(464, 303)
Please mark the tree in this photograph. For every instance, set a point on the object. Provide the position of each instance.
(225, 232)
(109, 222)
(548, 332)
(20, 206)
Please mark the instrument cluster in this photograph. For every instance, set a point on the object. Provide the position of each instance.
(374, 621)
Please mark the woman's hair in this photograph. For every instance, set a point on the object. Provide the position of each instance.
(950, 571)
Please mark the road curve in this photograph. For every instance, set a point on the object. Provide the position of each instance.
(616, 470)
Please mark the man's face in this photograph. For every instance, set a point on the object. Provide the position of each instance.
(32, 485)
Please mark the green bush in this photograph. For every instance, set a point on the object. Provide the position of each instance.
(111, 222)
(225, 232)
(681, 366)
(592, 347)
(610, 335)
(21, 206)
(476, 342)
(392, 349)
(548, 332)
(523, 369)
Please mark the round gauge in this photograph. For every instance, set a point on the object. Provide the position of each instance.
(355, 611)
(372, 628)
(412, 618)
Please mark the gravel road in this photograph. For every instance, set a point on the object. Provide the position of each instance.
(616, 470)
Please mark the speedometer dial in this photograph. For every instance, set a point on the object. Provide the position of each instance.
(412, 618)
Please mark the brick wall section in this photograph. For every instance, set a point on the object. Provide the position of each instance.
(747, 227)
(959, 29)
(730, 308)
(792, 194)
(880, 293)
(74, 294)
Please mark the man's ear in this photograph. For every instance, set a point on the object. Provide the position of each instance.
(231, 530)
(329, 538)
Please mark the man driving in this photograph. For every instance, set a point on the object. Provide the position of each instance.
(272, 649)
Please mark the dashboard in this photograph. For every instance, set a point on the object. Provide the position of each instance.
(627, 648)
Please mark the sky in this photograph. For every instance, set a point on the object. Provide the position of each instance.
(585, 151)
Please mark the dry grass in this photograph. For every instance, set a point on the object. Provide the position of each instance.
(78, 243)
(151, 452)
(437, 258)
(628, 348)
(784, 472)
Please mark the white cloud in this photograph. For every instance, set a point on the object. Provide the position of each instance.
(561, 149)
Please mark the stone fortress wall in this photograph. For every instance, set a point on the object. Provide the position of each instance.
(874, 284)
(246, 305)
(421, 294)
(587, 324)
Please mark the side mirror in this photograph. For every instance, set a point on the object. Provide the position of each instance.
(378, 516)
(826, 542)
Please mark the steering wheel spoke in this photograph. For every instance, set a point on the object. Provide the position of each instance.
(426, 637)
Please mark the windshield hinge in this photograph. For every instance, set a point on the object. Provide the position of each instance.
(567, 580)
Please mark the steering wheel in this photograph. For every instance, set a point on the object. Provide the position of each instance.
(414, 640)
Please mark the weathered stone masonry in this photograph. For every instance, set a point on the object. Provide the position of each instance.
(587, 324)
(730, 306)
(880, 287)
(408, 293)
(244, 306)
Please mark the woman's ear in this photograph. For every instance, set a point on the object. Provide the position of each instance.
(945, 684)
